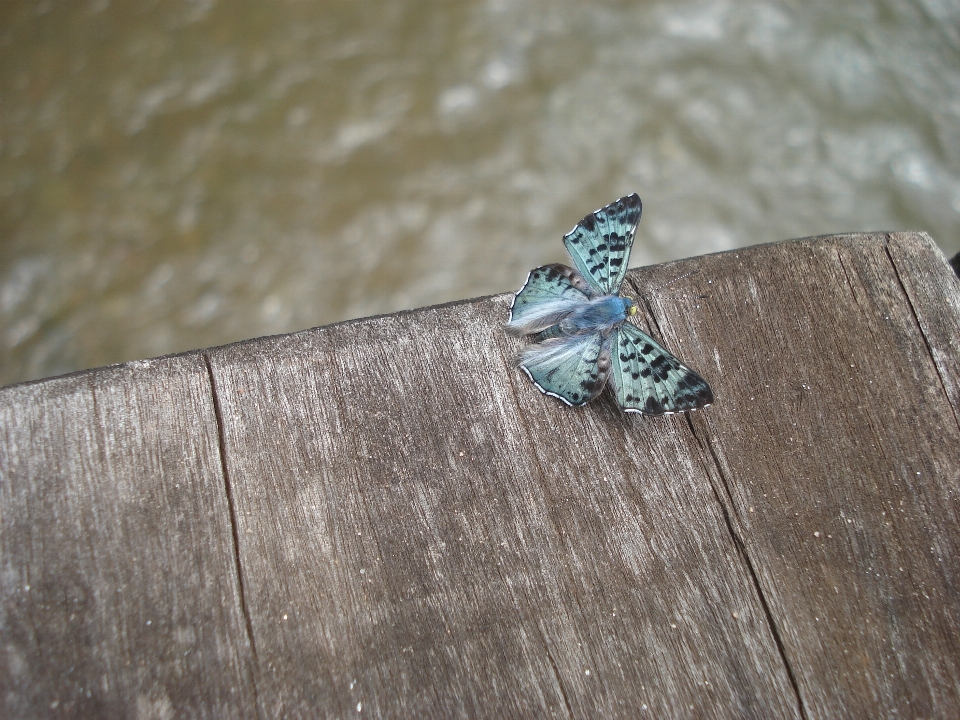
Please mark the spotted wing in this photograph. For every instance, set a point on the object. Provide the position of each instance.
(600, 243)
(574, 368)
(647, 379)
(548, 296)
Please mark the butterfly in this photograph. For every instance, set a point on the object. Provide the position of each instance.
(577, 322)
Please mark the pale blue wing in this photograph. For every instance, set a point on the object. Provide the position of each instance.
(574, 369)
(600, 243)
(647, 379)
(550, 294)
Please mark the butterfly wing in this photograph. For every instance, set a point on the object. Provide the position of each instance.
(600, 243)
(549, 294)
(574, 368)
(647, 379)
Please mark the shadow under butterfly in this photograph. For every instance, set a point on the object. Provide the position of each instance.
(578, 324)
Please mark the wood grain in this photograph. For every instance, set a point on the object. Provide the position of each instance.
(429, 536)
(385, 518)
(837, 447)
(119, 585)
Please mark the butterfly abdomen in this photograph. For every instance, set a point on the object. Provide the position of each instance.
(554, 331)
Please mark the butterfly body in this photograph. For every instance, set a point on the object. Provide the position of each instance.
(600, 314)
(578, 324)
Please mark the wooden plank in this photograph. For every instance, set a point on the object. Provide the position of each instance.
(118, 574)
(838, 459)
(425, 535)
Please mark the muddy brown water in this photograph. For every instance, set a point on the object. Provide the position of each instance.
(181, 174)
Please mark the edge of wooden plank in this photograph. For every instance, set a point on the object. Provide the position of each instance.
(655, 270)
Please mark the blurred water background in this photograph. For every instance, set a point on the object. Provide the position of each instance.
(183, 173)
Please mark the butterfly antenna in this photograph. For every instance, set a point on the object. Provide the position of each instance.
(670, 282)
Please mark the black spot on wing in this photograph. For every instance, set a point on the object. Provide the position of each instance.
(629, 208)
(653, 406)
(651, 381)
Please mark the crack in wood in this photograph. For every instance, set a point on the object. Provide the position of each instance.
(556, 675)
(923, 334)
(846, 276)
(748, 563)
(235, 529)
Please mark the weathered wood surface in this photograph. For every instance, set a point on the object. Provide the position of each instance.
(383, 518)
(119, 580)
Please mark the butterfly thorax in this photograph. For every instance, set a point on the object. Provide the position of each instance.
(599, 314)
